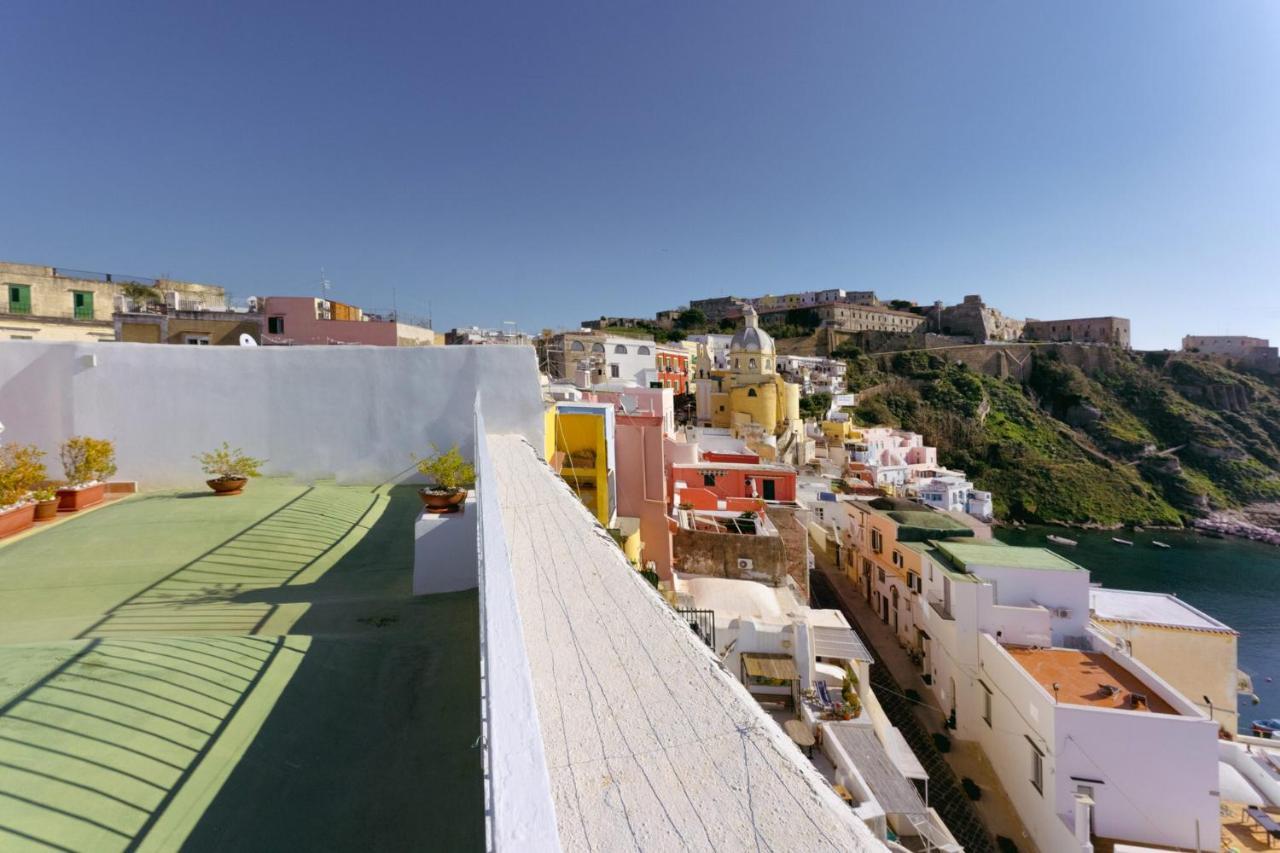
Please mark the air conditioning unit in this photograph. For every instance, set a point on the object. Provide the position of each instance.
(1062, 613)
(745, 564)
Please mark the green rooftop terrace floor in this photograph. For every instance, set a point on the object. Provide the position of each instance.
(246, 673)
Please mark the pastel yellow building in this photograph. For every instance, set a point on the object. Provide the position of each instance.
(580, 447)
(748, 396)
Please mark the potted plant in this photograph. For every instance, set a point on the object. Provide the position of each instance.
(86, 463)
(20, 472)
(451, 476)
(46, 503)
(230, 469)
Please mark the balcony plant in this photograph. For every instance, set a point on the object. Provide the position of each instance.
(86, 463)
(46, 503)
(20, 471)
(451, 475)
(230, 469)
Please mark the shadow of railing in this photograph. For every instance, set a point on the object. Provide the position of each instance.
(93, 753)
(198, 597)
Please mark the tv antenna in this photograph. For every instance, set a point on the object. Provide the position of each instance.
(325, 285)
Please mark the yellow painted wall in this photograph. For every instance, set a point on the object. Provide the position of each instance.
(577, 432)
(761, 406)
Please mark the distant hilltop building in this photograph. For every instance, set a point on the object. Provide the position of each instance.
(974, 319)
(1251, 352)
(1113, 331)
(473, 335)
(58, 304)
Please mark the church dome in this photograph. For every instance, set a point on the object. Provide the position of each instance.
(751, 338)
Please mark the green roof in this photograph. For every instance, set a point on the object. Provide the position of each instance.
(179, 670)
(993, 553)
(919, 525)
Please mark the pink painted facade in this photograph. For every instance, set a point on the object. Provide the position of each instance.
(642, 485)
(298, 320)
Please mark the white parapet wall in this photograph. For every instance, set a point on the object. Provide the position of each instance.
(445, 556)
(356, 413)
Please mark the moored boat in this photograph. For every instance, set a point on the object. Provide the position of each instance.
(1060, 540)
(1120, 541)
(1160, 544)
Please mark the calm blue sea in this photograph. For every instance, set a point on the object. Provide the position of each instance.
(1234, 581)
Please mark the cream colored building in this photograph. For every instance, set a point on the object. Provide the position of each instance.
(55, 304)
(1191, 650)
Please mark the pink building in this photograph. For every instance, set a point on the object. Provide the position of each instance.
(740, 486)
(305, 320)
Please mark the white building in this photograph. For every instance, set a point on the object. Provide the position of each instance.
(1087, 741)
(814, 375)
(610, 359)
(951, 491)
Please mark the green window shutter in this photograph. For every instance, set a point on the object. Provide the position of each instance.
(19, 299)
(82, 302)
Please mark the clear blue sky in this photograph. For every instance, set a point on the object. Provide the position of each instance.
(547, 162)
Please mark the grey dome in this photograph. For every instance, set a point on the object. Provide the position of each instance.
(751, 338)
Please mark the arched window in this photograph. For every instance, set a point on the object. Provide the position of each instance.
(577, 346)
(736, 364)
(751, 392)
(642, 351)
(597, 347)
(751, 364)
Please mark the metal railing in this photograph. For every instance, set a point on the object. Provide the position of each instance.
(703, 623)
(112, 278)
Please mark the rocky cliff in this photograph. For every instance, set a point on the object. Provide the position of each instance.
(1155, 438)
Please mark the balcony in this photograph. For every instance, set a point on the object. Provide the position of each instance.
(940, 607)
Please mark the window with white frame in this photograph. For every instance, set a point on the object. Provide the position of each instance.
(198, 340)
(1037, 767)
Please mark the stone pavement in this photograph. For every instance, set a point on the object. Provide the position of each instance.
(973, 824)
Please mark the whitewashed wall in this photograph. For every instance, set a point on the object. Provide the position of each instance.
(355, 413)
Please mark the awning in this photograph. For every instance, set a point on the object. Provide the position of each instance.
(892, 790)
(762, 665)
(829, 642)
(901, 755)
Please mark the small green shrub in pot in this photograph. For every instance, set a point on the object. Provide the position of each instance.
(451, 475)
(229, 468)
(87, 460)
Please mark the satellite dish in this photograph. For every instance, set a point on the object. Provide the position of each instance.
(246, 340)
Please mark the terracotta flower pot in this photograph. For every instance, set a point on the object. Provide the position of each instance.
(46, 510)
(442, 501)
(70, 500)
(17, 519)
(226, 486)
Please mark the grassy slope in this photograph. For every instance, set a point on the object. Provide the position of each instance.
(1085, 449)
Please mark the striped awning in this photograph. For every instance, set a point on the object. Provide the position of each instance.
(841, 643)
(762, 665)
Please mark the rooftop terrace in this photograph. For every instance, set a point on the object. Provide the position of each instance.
(1086, 678)
(246, 673)
(994, 553)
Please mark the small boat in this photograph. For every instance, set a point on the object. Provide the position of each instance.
(1120, 541)
(1160, 544)
(1137, 529)
(1060, 540)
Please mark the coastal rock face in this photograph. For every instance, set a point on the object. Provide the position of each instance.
(1242, 523)
(1092, 435)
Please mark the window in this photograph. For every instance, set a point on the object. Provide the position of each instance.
(880, 574)
(20, 337)
(877, 541)
(751, 392)
(770, 490)
(619, 350)
(82, 304)
(986, 704)
(19, 298)
(708, 480)
(643, 351)
(913, 581)
(275, 326)
(613, 371)
(751, 364)
(1037, 767)
(897, 558)
(597, 347)
(198, 340)
(577, 346)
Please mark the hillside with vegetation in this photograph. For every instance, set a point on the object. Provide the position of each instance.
(1155, 438)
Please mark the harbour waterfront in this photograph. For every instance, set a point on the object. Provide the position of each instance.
(1233, 580)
